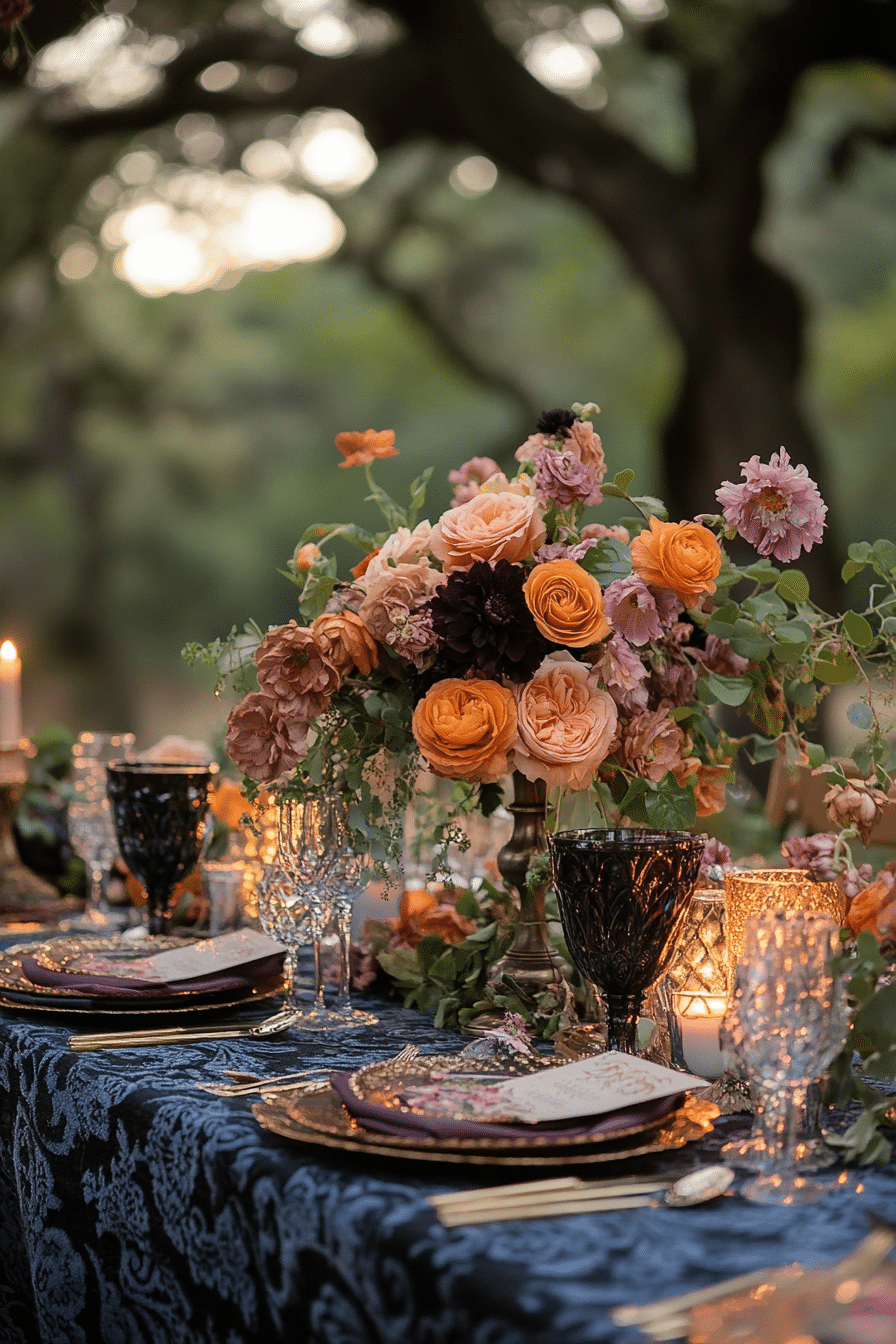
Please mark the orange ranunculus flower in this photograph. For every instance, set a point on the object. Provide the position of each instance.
(709, 784)
(359, 446)
(229, 804)
(567, 604)
(344, 639)
(420, 912)
(465, 729)
(683, 557)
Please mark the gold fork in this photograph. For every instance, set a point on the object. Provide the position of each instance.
(284, 1081)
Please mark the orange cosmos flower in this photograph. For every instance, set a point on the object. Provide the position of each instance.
(359, 447)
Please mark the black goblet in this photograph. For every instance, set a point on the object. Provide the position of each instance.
(623, 896)
(158, 809)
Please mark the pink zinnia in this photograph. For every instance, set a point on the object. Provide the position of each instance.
(777, 508)
(632, 611)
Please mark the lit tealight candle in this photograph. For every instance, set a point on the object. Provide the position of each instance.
(699, 1019)
(10, 695)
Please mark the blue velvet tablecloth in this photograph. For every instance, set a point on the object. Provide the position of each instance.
(134, 1207)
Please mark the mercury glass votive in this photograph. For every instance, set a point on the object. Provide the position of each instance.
(752, 892)
(700, 967)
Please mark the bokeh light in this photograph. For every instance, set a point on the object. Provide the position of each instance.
(473, 176)
(331, 151)
(559, 63)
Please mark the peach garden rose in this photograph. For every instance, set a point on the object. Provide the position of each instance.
(566, 723)
(489, 527)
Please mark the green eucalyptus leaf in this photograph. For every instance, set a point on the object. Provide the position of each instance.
(651, 505)
(816, 754)
(607, 561)
(748, 640)
(857, 630)
(727, 690)
(793, 586)
(860, 715)
(883, 553)
(834, 670)
(623, 479)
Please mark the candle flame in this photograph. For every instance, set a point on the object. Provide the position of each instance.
(8, 651)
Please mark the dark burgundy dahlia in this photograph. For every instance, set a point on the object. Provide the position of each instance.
(549, 422)
(483, 623)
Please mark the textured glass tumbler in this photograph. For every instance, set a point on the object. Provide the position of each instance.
(90, 827)
(753, 891)
(792, 1019)
(623, 896)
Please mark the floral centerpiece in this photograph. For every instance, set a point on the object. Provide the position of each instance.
(519, 633)
(515, 633)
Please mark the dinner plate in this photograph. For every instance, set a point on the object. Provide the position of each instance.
(20, 993)
(316, 1117)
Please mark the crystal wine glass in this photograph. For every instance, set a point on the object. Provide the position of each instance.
(309, 836)
(283, 912)
(158, 809)
(90, 827)
(793, 1019)
(348, 883)
(623, 895)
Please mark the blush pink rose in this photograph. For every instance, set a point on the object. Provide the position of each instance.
(566, 723)
(490, 527)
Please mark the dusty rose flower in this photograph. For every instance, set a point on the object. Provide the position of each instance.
(584, 441)
(652, 745)
(566, 723)
(624, 674)
(263, 741)
(294, 670)
(554, 550)
(393, 607)
(631, 610)
(504, 526)
(597, 532)
(359, 447)
(343, 638)
(305, 556)
(816, 852)
(776, 508)
(718, 656)
(673, 682)
(857, 804)
(562, 479)
(470, 477)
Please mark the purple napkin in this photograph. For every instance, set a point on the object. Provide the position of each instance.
(120, 987)
(400, 1124)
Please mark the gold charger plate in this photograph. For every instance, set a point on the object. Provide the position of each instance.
(21, 994)
(317, 1117)
(437, 1085)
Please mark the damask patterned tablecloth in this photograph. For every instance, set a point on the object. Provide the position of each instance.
(135, 1208)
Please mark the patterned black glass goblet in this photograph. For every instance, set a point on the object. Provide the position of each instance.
(623, 896)
(158, 809)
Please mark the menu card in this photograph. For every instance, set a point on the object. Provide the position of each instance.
(206, 956)
(593, 1086)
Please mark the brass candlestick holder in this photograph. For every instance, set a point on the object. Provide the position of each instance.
(20, 889)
